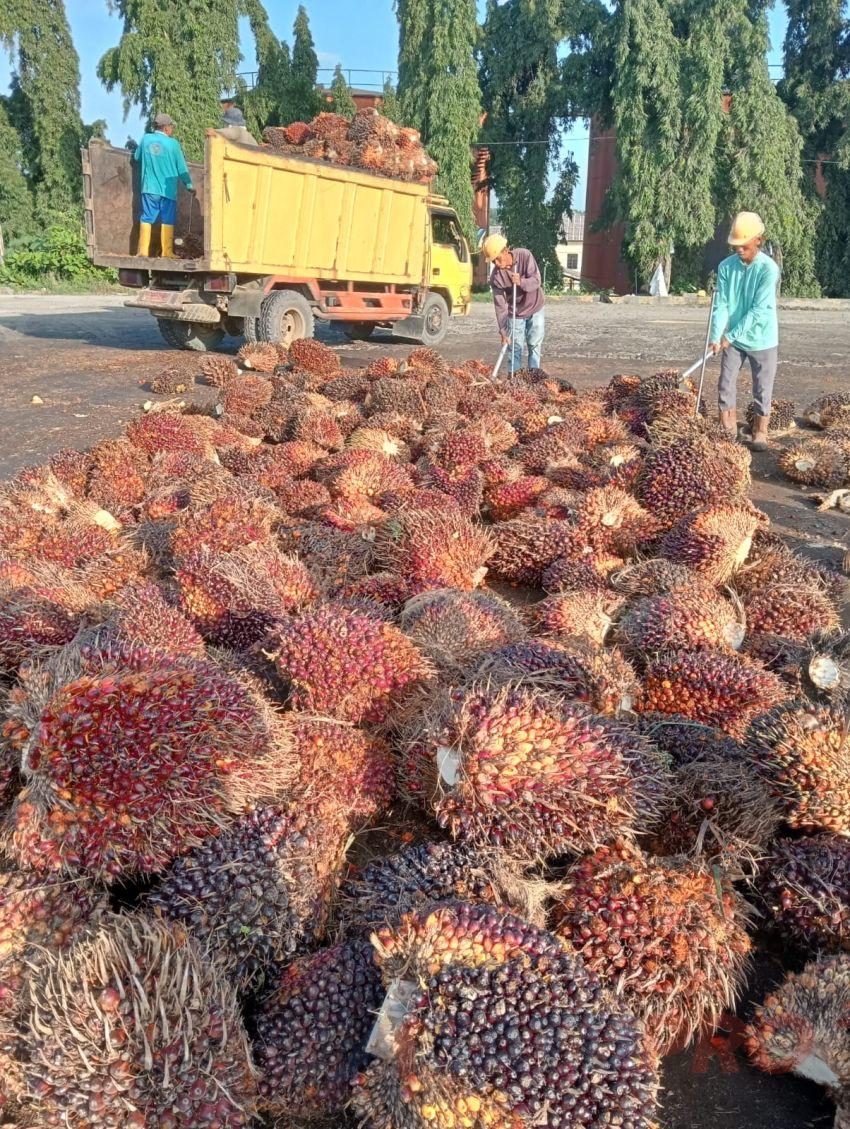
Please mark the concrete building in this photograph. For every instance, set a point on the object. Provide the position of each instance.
(571, 249)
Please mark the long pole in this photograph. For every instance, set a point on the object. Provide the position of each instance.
(513, 332)
(705, 354)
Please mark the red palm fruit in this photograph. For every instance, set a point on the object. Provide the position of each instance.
(455, 629)
(427, 361)
(246, 395)
(803, 751)
(322, 653)
(684, 740)
(385, 366)
(464, 484)
(400, 426)
(223, 525)
(582, 614)
(528, 771)
(312, 1028)
(782, 414)
(587, 570)
(366, 476)
(726, 691)
(261, 356)
(335, 557)
(72, 468)
(527, 545)
(421, 498)
(314, 357)
(380, 591)
(349, 417)
(156, 1038)
(792, 610)
(142, 616)
(351, 386)
(261, 889)
(508, 499)
(805, 884)
(398, 395)
(772, 562)
(352, 768)
(463, 448)
(245, 426)
(825, 406)
(499, 436)
(437, 549)
(295, 497)
(608, 518)
(117, 473)
(666, 935)
(370, 438)
(169, 382)
(546, 450)
(30, 622)
(171, 744)
(235, 598)
(313, 425)
(714, 541)
(164, 431)
(683, 476)
(352, 516)
(687, 619)
(620, 389)
(218, 370)
(656, 576)
(297, 458)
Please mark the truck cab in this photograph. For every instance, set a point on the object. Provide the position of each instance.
(451, 262)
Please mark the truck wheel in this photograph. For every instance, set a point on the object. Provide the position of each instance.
(195, 335)
(436, 315)
(285, 316)
(358, 330)
(250, 327)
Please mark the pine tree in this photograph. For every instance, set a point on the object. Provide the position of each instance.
(390, 107)
(263, 105)
(46, 100)
(343, 103)
(16, 204)
(302, 100)
(176, 58)
(526, 109)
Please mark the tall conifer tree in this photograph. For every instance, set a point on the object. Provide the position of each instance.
(343, 103)
(302, 101)
(390, 108)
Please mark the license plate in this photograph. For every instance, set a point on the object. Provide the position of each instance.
(162, 297)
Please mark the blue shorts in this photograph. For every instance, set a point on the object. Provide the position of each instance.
(158, 209)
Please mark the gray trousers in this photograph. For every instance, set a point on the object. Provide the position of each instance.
(763, 364)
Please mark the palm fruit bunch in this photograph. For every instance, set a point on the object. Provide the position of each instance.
(435, 549)
(140, 614)
(234, 599)
(817, 462)
(802, 1027)
(218, 370)
(455, 629)
(116, 475)
(224, 524)
(335, 557)
(687, 619)
(726, 691)
(321, 654)
(666, 935)
(772, 562)
(367, 476)
(153, 1038)
(714, 541)
(489, 1021)
(338, 759)
(821, 667)
(261, 356)
(682, 476)
(313, 357)
(600, 677)
(685, 740)
(312, 1028)
(821, 411)
(582, 614)
(782, 414)
(169, 382)
(805, 884)
(610, 519)
(425, 873)
(132, 756)
(398, 395)
(509, 498)
(29, 622)
(654, 576)
(246, 395)
(258, 890)
(527, 545)
(367, 437)
(164, 431)
(790, 610)
(525, 770)
(803, 751)
(580, 571)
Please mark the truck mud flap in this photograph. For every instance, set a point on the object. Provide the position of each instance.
(411, 326)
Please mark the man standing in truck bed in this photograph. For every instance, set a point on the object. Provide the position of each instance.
(516, 266)
(163, 165)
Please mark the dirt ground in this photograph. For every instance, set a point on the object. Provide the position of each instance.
(87, 359)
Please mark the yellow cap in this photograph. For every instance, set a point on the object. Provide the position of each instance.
(745, 226)
(493, 246)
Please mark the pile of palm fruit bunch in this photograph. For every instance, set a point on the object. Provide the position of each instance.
(402, 746)
(822, 460)
(367, 141)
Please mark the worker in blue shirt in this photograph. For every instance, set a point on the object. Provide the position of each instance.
(744, 325)
(163, 165)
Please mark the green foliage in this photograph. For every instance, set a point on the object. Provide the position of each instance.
(526, 105)
(390, 108)
(438, 90)
(263, 104)
(16, 204)
(44, 107)
(342, 103)
(301, 101)
(57, 254)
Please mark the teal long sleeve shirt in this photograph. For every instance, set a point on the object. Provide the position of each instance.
(745, 303)
(163, 164)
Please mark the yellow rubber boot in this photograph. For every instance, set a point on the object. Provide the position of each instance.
(144, 239)
(166, 240)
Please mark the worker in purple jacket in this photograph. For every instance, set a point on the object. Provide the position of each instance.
(516, 265)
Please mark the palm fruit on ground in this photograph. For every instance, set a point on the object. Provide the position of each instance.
(717, 689)
(821, 667)
(234, 599)
(527, 545)
(261, 889)
(462, 448)
(297, 458)
(313, 425)
(802, 1027)
(608, 519)
(398, 395)
(470, 985)
(683, 476)
(334, 557)
(385, 366)
(352, 516)
(116, 477)
(164, 431)
(686, 619)
(498, 433)
(803, 752)
(250, 429)
(246, 395)
(427, 361)
(583, 570)
(72, 468)
(261, 356)
(172, 745)
(370, 438)
(772, 562)
(791, 610)
(670, 429)
(714, 541)
(435, 549)
(667, 935)
(781, 416)
(155, 1038)
(582, 614)
(454, 629)
(819, 411)
(218, 370)
(522, 769)
(351, 386)
(817, 462)
(685, 740)
(312, 1028)
(224, 525)
(29, 622)
(805, 884)
(505, 500)
(465, 485)
(365, 476)
(322, 655)
(314, 357)
(655, 576)
(170, 381)
(384, 591)
(141, 615)
(600, 677)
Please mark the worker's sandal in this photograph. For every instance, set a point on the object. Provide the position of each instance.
(166, 240)
(144, 239)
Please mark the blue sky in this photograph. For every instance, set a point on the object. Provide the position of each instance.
(356, 33)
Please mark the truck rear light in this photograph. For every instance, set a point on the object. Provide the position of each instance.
(221, 283)
(134, 278)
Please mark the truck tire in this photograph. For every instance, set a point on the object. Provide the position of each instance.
(285, 316)
(358, 330)
(195, 335)
(436, 314)
(251, 328)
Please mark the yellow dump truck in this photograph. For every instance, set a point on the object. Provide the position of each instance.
(273, 241)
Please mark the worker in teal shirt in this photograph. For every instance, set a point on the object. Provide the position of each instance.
(744, 325)
(163, 165)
